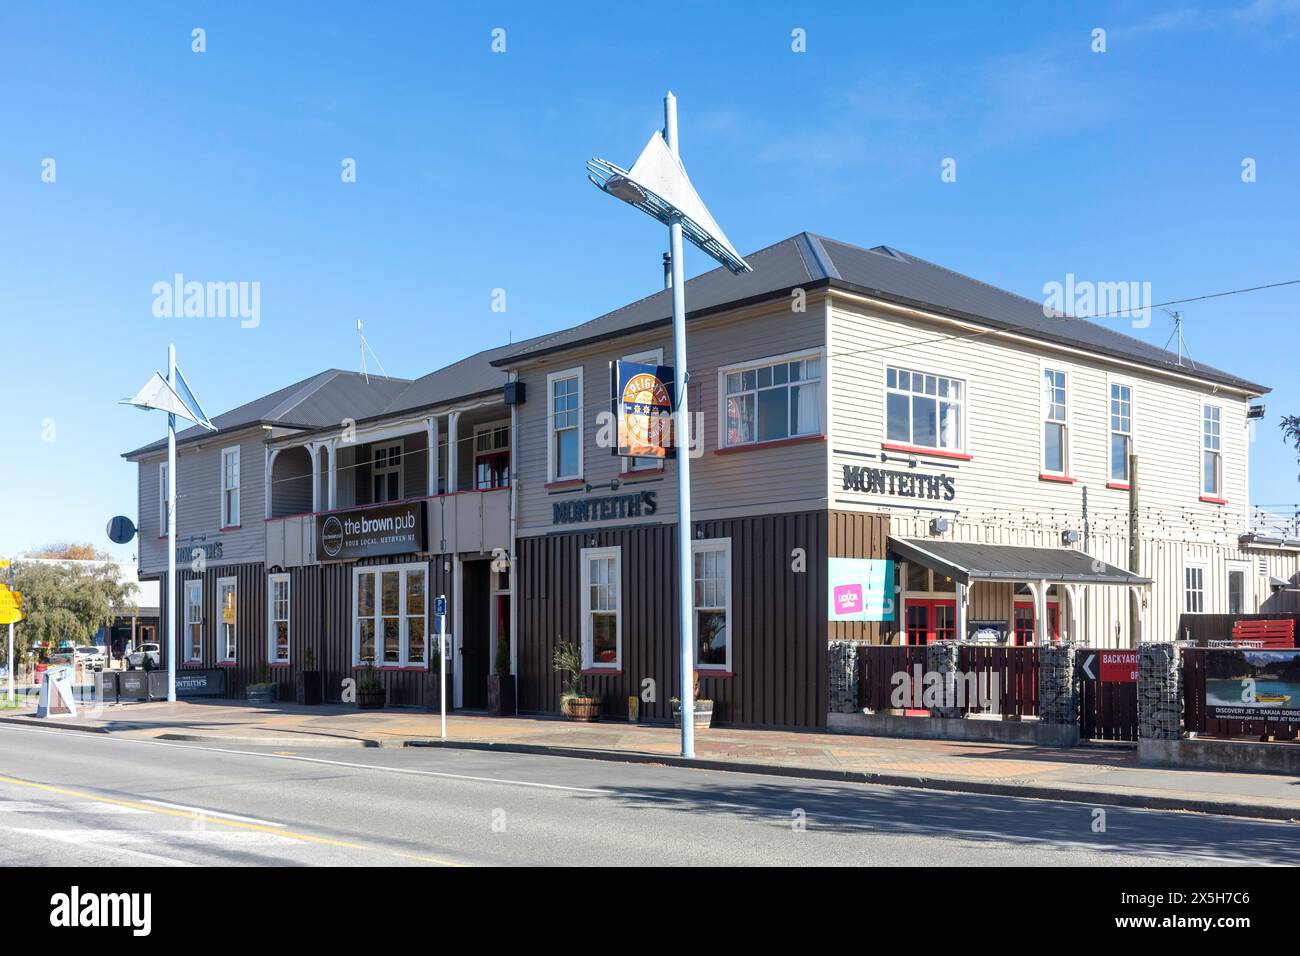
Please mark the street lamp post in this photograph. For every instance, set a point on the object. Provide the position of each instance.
(174, 396)
(658, 185)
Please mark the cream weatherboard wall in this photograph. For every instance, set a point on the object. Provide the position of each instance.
(755, 480)
(1001, 496)
(198, 501)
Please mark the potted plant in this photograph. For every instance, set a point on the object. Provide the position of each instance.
(703, 709)
(311, 683)
(501, 684)
(433, 683)
(262, 690)
(575, 702)
(370, 689)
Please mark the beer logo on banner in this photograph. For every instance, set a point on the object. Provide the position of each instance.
(643, 408)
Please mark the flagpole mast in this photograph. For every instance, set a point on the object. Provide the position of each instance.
(681, 438)
(171, 531)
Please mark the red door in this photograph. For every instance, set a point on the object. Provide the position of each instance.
(930, 620)
(1024, 622)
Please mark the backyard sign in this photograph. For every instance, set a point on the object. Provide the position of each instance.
(1112, 667)
(642, 396)
(861, 589)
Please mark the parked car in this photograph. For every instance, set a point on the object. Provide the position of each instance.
(91, 658)
(136, 658)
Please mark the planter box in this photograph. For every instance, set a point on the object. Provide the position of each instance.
(956, 728)
(260, 693)
(311, 687)
(581, 709)
(703, 714)
(501, 695)
(371, 699)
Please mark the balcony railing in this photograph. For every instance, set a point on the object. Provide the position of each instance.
(464, 522)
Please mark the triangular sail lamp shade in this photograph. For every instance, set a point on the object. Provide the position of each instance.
(157, 394)
(657, 184)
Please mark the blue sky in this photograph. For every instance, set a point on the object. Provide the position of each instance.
(225, 165)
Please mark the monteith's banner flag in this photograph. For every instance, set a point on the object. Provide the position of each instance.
(156, 393)
(642, 397)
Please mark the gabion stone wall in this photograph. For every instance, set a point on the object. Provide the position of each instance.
(1057, 701)
(1160, 692)
(941, 658)
(842, 668)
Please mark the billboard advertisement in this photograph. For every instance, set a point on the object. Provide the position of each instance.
(1246, 684)
(861, 589)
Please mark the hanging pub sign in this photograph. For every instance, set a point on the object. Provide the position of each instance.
(642, 398)
(370, 532)
(861, 589)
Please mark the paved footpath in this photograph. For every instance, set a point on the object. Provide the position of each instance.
(1087, 774)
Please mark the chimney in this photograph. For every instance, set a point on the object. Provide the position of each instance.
(668, 270)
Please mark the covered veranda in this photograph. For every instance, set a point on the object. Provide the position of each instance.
(969, 564)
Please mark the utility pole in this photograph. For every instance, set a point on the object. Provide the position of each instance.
(171, 532)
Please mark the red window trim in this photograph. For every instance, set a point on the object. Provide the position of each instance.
(566, 483)
(226, 664)
(279, 664)
(932, 452)
(1210, 499)
(390, 667)
(1063, 479)
(640, 472)
(230, 527)
(710, 672)
(1119, 485)
(601, 672)
(774, 443)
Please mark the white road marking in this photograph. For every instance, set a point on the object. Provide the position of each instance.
(203, 811)
(30, 806)
(331, 763)
(77, 838)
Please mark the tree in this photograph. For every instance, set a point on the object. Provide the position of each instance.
(69, 551)
(1290, 425)
(67, 601)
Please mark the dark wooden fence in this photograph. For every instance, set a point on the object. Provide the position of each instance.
(1014, 669)
(1196, 717)
(1199, 628)
(1108, 710)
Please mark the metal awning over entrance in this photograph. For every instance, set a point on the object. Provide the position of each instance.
(968, 563)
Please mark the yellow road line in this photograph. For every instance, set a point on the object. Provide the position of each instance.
(235, 824)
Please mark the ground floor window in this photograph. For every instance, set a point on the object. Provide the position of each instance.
(602, 618)
(713, 604)
(277, 602)
(389, 616)
(227, 617)
(929, 620)
(1194, 589)
(1023, 621)
(1237, 599)
(193, 621)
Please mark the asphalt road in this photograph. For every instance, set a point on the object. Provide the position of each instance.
(75, 799)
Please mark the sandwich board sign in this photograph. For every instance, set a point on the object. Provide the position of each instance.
(56, 698)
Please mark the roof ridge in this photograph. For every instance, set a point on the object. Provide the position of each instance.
(310, 387)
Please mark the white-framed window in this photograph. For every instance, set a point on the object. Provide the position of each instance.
(648, 357)
(1211, 451)
(1240, 598)
(230, 487)
(564, 425)
(278, 623)
(924, 410)
(1194, 589)
(712, 603)
(602, 608)
(1121, 430)
(492, 456)
(227, 619)
(771, 399)
(194, 620)
(1056, 422)
(389, 615)
(162, 499)
(386, 472)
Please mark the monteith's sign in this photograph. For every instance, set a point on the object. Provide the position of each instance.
(609, 508)
(901, 484)
(370, 532)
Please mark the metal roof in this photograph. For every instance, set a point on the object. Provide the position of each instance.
(324, 399)
(811, 261)
(965, 562)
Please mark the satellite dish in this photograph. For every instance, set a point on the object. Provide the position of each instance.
(120, 529)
